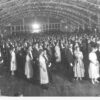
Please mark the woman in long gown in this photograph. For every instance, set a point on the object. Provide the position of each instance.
(79, 65)
(44, 79)
(93, 66)
(13, 64)
(28, 64)
(57, 53)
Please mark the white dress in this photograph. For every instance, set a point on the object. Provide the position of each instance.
(44, 79)
(28, 67)
(57, 54)
(79, 65)
(13, 66)
(93, 66)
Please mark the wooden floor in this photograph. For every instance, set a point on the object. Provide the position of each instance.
(62, 87)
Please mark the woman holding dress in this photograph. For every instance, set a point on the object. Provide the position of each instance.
(94, 65)
(28, 64)
(79, 65)
(44, 79)
(13, 64)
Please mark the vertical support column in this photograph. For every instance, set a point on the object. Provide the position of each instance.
(90, 25)
(14, 28)
(98, 19)
(11, 29)
(99, 22)
(60, 26)
(23, 25)
(19, 28)
(51, 26)
(54, 26)
(48, 24)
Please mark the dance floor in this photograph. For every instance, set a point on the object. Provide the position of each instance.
(62, 87)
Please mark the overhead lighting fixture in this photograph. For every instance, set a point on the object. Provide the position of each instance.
(36, 28)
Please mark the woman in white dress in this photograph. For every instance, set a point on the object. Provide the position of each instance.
(79, 65)
(44, 79)
(13, 64)
(93, 66)
(57, 53)
(28, 64)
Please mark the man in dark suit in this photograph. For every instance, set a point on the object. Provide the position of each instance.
(98, 53)
(49, 64)
(36, 75)
(86, 48)
(21, 58)
(69, 61)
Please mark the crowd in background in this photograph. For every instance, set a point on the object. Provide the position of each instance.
(36, 56)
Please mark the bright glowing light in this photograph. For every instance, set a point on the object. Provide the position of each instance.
(36, 28)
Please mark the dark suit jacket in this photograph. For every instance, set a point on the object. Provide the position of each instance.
(69, 57)
(98, 55)
(35, 53)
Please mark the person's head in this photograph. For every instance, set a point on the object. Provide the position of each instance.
(94, 48)
(30, 48)
(18, 94)
(40, 47)
(70, 45)
(77, 48)
(36, 45)
(12, 48)
(44, 51)
(57, 43)
(41, 52)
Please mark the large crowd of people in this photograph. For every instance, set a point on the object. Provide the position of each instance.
(35, 56)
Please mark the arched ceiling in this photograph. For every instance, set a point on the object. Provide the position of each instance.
(80, 12)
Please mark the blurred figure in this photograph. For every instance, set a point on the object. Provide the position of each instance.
(13, 64)
(69, 61)
(35, 53)
(44, 79)
(57, 53)
(98, 53)
(57, 57)
(1, 57)
(28, 64)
